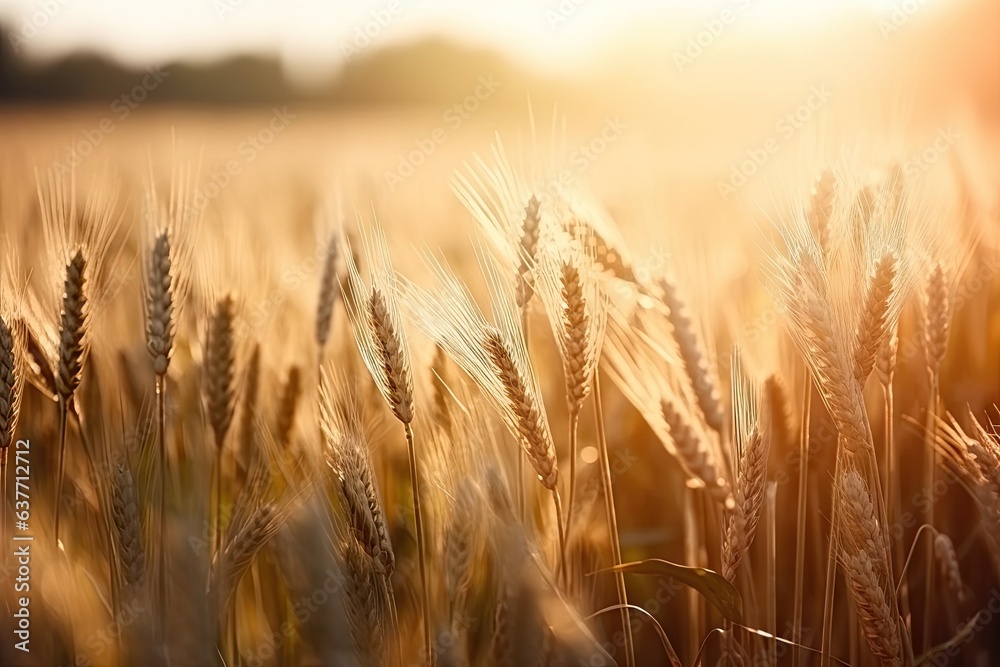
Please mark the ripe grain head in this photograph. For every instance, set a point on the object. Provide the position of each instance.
(377, 325)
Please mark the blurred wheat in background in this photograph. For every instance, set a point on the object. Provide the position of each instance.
(543, 334)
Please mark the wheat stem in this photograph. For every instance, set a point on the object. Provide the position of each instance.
(893, 503)
(609, 510)
(161, 575)
(572, 432)
(561, 530)
(831, 567)
(521, 454)
(63, 417)
(800, 519)
(930, 475)
(421, 544)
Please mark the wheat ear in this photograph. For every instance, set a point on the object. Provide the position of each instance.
(885, 362)
(502, 642)
(160, 304)
(356, 488)
(694, 454)
(820, 208)
(395, 366)
(694, 356)
(73, 324)
(749, 497)
(11, 382)
(11, 385)
(219, 368)
(863, 556)
(937, 317)
(328, 290)
(439, 385)
(947, 559)
(871, 329)
(528, 248)
(241, 548)
(530, 425)
(251, 386)
(752, 430)
(363, 603)
(128, 532)
(460, 548)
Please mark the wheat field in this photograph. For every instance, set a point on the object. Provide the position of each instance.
(287, 404)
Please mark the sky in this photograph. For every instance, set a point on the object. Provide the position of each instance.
(315, 37)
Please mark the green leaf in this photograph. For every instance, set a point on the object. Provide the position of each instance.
(714, 587)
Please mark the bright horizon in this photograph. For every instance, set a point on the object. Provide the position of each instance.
(313, 37)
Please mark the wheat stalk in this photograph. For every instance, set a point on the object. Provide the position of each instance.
(287, 404)
(219, 393)
(70, 356)
(937, 324)
(379, 334)
(780, 418)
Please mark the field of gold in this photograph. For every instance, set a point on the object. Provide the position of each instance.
(284, 387)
